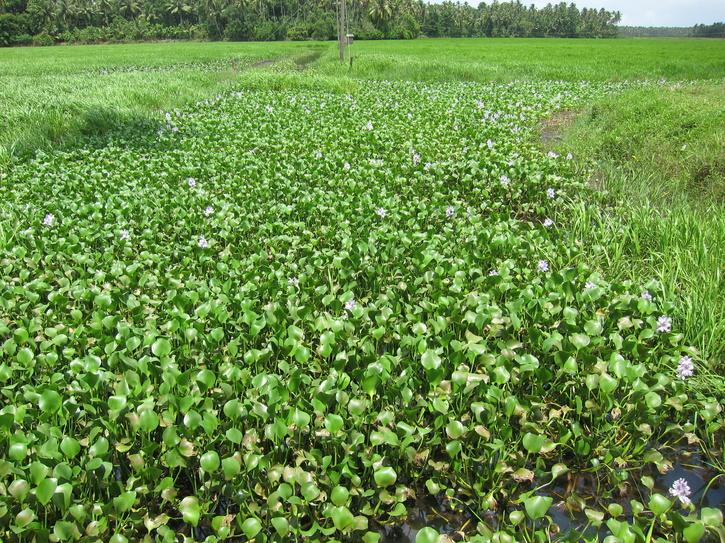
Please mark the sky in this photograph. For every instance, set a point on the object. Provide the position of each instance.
(653, 12)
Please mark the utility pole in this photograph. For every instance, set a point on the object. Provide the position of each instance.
(342, 27)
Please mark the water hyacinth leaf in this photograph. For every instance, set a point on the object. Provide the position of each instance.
(533, 442)
(231, 468)
(24, 517)
(430, 360)
(124, 502)
(385, 476)
(339, 495)
(210, 461)
(251, 527)
(711, 517)
(558, 469)
(45, 490)
(342, 518)
(334, 423)
(281, 526)
(427, 535)
(190, 510)
(658, 504)
(49, 401)
(149, 420)
(694, 532)
(537, 506)
(161, 347)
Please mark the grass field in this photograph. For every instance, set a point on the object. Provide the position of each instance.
(464, 290)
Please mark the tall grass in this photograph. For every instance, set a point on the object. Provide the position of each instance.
(659, 155)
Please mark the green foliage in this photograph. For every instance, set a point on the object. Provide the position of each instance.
(282, 309)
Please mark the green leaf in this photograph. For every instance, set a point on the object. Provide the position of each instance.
(124, 502)
(45, 490)
(427, 535)
(711, 517)
(430, 360)
(339, 495)
(190, 510)
(342, 518)
(49, 401)
(385, 476)
(210, 461)
(251, 527)
(281, 526)
(537, 506)
(533, 442)
(161, 347)
(659, 505)
(694, 532)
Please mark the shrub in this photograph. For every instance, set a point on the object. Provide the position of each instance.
(43, 40)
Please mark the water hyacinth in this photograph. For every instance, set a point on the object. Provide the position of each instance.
(551, 193)
(664, 324)
(589, 285)
(125, 234)
(369, 126)
(222, 355)
(685, 367)
(49, 219)
(552, 154)
(646, 296)
(681, 489)
(505, 181)
(191, 182)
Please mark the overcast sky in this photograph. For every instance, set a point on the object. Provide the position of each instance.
(653, 12)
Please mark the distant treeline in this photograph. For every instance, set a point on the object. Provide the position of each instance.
(44, 22)
(716, 30)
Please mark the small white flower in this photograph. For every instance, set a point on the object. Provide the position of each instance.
(543, 266)
(569, 156)
(664, 324)
(346, 166)
(350, 305)
(208, 211)
(551, 193)
(647, 296)
(175, 129)
(505, 181)
(318, 154)
(450, 211)
(548, 222)
(369, 126)
(490, 144)
(269, 109)
(125, 234)
(416, 158)
(293, 281)
(552, 154)
(381, 212)
(493, 273)
(427, 166)
(680, 489)
(191, 182)
(203, 243)
(589, 285)
(49, 219)
(685, 368)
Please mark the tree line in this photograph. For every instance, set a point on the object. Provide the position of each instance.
(44, 22)
(716, 30)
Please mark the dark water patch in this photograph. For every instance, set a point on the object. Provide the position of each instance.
(435, 512)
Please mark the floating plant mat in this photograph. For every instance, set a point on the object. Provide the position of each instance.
(296, 315)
